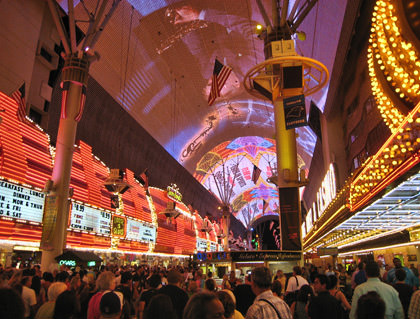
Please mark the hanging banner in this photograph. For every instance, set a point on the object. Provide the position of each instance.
(289, 214)
(20, 202)
(48, 222)
(294, 111)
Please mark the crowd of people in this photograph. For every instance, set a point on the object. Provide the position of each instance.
(144, 292)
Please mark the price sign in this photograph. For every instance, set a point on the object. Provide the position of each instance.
(21, 202)
(137, 230)
(90, 219)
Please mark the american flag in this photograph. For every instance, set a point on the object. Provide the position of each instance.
(256, 172)
(19, 97)
(218, 79)
(144, 179)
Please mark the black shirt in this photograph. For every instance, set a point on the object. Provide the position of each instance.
(178, 296)
(324, 306)
(404, 292)
(244, 298)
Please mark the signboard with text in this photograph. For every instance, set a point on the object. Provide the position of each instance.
(294, 111)
(21, 202)
(137, 230)
(201, 244)
(90, 219)
(118, 226)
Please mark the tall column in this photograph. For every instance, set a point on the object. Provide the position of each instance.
(225, 224)
(287, 177)
(74, 82)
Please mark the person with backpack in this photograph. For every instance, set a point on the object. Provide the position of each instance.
(296, 281)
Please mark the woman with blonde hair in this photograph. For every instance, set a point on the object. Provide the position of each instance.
(104, 282)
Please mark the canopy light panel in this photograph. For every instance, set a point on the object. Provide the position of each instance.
(397, 210)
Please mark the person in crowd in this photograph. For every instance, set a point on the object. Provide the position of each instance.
(125, 288)
(160, 307)
(282, 279)
(393, 307)
(360, 276)
(46, 311)
(409, 279)
(11, 304)
(28, 296)
(233, 281)
(244, 295)
(46, 282)
(414, 308)
(404, 290)
(295, 282)
(210, 285)
(153, 284)
(192, 288)
(110, 306)
(337, 293)
(66, 306)
(105, 281)
(276, 288)
(323, 303)
(313, 271)
(370, 306)
(204, 305)
(298, 308)
(385, 275)
(225, 282)
(173, 289)
(360, 266)
(266, 305)
(415, 272)
(229, 303)
(329, 271)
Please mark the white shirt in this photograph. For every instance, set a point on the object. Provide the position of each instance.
(29, 299)
(291, 285)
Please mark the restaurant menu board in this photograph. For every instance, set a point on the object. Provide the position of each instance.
(137, 230)
(21, 202)
(90, 219)
(201, 244)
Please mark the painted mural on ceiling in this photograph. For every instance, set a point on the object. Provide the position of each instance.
(228, 172)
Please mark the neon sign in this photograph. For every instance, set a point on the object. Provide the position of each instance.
(71, 263)
(326, 193)
(118, 226)
(173, 193)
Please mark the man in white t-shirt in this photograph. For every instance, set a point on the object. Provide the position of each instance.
(296, 281)
(28, 296)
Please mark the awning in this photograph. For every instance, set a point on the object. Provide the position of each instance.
(78, 256)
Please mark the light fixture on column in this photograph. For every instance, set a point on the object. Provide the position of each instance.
(115, 182)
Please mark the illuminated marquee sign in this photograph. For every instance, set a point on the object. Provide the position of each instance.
(118, 226)
(326, 193)
(71, 263)
(201, 244)
(20, 202)
(137, 230)
(173, 193)
(90, 219)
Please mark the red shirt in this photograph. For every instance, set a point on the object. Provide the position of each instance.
(93, 309)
